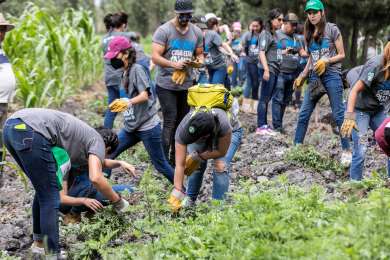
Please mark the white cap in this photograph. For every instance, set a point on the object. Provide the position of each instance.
(212, 15)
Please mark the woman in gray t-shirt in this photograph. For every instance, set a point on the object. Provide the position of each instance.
(367, 106)
(141, 121)
(326, 50)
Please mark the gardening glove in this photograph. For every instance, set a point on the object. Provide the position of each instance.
(230, 69)
(179, 76)
(298, 83)
(119, 105)
(195, 64)
(193, 162)
(175, 200)
(120, 206)
(348, 125)
(320, 66)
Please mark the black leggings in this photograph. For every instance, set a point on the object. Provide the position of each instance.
(174, 107)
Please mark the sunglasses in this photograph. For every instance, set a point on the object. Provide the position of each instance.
(188, 16)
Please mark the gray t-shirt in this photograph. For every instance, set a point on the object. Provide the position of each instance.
(65, 131)
(289, 62)
(178, 47)
(137, 115)
(376, 94)
(250, 43)
(353, 75)
(326, 47)
(224, 127)
(214, 58)
(269, 44)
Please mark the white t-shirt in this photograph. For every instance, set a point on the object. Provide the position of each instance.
(7, 79)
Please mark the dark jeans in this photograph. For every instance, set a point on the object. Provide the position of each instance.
(334, 89)
(174, 107)
(254, 74)
(33, 154)
(266, 93)
(83, 188)
(218, 75)
(282, 98)
(109, 117)
(153, 145)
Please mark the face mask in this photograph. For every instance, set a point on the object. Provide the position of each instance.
(117, 63)
(184, 19)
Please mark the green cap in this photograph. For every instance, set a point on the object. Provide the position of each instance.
(316, 5)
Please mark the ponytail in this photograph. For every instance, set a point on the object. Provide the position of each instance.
(132, 60)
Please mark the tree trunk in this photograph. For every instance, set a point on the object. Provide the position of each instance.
(353, 49)
(365, 47)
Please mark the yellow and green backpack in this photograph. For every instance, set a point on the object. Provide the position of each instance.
(209, 96)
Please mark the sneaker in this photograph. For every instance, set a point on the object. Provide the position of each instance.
(37, 248)
(346, 159)
(265, 130)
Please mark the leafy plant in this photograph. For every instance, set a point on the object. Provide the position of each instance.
(53, 56)
(308, 156)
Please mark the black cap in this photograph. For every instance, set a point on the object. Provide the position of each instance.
(183, 6)
(200, 125)
(200, 21)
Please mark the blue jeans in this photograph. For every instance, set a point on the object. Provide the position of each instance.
(238, 73)
(282, 97)
(218, 75)
(203, 77)
(83, 188)
(334, 88)
(364, 120)
(153, 145)
(254, 75)
(220, 178)
(32, 152)
(109, 117)
(266, 93)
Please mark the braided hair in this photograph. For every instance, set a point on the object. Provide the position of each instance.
(109, 137)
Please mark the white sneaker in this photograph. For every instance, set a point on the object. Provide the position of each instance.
(346, 159)
(37, 250)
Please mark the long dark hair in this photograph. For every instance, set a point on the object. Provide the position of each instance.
(132, 60)
(310, 29)
(211, 23)
(272, 14)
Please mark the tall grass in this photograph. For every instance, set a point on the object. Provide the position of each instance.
(53, 55)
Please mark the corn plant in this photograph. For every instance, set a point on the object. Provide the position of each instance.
(53, 56)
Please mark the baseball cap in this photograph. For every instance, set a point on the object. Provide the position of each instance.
(201, 124)
(116, 45)
(291, 17)
(199, 21)
(211, 16)
(237, 26)
(316, 5)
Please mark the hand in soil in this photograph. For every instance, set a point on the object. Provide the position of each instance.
(128, 168)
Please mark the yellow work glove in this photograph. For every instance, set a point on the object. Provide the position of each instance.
(179, 76)
(175, 200)
(230, 69)
(348, 125)
(298, 82)
(119, 105)
(195, 64)
(193, 162)
(320, 66)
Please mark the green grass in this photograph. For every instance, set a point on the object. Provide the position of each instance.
(263, 221)
(147, 44)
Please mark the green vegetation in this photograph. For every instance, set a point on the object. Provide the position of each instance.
(308, 156)
(267, 221)
(53, 56)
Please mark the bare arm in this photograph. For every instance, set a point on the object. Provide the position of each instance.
(73, 201)
(112, 164)
(98, 180)
(358, 87)
(223, 146)
(340, 51)
(140, 98)
(158, 58)
(305, 71)
(263, 60)
(180, 161)
(226, 49)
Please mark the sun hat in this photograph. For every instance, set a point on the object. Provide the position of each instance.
(4, 22)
